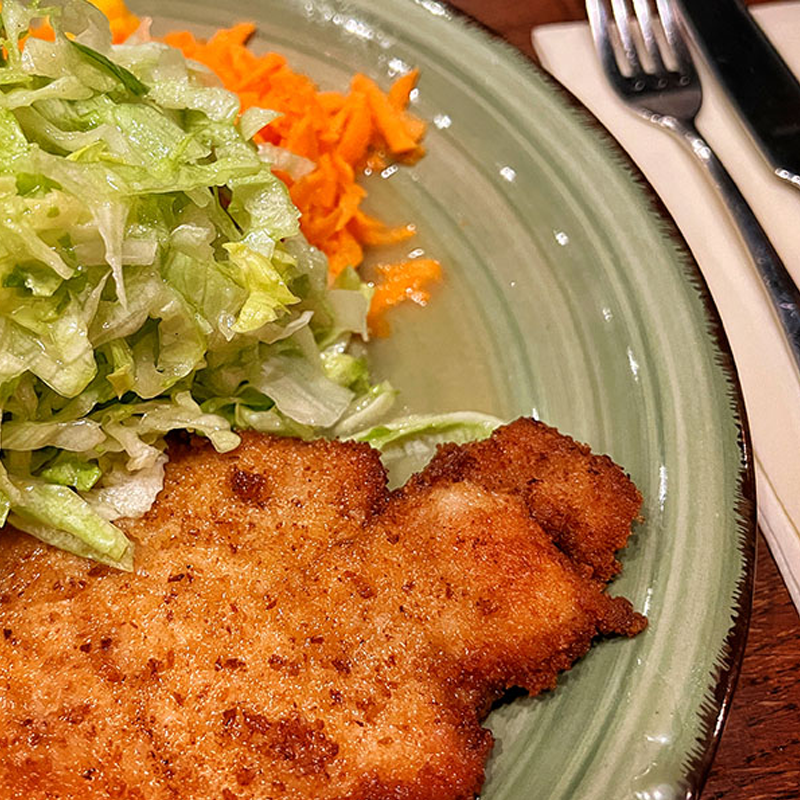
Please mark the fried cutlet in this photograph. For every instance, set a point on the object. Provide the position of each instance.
(292, 631)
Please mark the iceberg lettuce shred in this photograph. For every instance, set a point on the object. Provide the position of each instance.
(408, 443)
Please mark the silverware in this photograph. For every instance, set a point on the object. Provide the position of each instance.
(755, 77)
(646, 60)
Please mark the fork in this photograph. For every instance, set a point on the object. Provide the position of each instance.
(647, 62)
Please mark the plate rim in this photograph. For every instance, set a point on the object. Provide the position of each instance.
(714, 714)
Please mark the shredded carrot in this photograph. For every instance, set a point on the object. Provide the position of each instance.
(123, 23)
(400, 92)
(406, 280)
(341, 133)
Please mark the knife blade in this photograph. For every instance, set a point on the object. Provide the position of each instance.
(755, 77)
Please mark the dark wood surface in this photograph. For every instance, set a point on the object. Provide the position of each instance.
(759, 754)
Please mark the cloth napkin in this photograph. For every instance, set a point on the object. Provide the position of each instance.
(769, 378)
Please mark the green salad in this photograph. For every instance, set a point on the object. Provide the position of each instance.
(153, 278)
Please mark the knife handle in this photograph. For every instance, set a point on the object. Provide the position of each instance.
(755, 77)
(781, 288)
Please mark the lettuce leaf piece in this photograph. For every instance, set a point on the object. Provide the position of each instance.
(408, 443)
(254, 119)
(63, 540)
(456, 426)
(61, 508)
(5, 507)
(34, 277)
(268, 295)
(14, 142)
(84, 21)
(366, 410)
(301, 390)
(48, 337)
(124, 76)
(128, 494)
(77, 436)
(69, 470)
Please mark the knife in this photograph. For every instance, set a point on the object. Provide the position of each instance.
(755, 77)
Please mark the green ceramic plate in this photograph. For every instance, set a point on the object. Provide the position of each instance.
(567, 296)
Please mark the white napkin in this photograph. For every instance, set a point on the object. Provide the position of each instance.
(766, 368)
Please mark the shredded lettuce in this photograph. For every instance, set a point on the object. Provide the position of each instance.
(153, 278)
(60, 508)
(407, 443)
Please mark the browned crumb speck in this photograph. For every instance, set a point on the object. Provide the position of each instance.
(293, 630)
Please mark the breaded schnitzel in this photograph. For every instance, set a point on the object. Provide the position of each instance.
(292, 631)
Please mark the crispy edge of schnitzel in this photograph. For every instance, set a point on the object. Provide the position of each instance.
(584, 501)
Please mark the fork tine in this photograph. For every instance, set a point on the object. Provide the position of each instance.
(606, 46)
(644, 18)
(598, 22)
(675, 40)
(622, 20)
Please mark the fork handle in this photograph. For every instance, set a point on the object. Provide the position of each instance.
(782, 290)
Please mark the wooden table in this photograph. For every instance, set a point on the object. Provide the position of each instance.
(759, 755)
